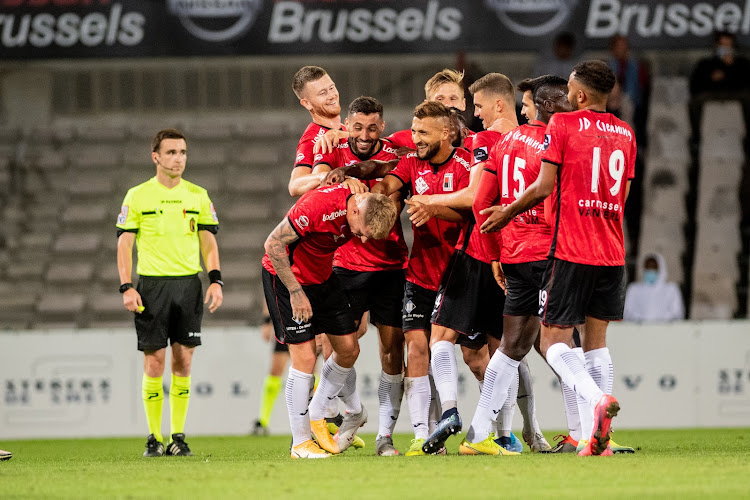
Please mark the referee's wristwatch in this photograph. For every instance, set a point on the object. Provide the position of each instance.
(125, 287)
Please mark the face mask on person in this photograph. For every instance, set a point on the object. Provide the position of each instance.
(724, 51)
(650, 276)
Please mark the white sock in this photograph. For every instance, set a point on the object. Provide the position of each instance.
(434, 413)
(585, 411)
(525, 399)
(599, 366)
(570, 400)
(572, 371)
(349, 394)
(500, 375)
(390, 392)
(445, 373)
(509, 408)
(297, 391)
(332, 378)
(417, 391)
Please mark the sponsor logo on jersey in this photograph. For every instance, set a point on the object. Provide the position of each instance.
(123, 214)
(300, 157)
(547, 139)
(409, 306)
(199, 17)
(481, 154)
(194, 334)
(421, 185)
(532, 17)
(333, 215)
(318, 157)
(463, 162)
(213, 213)
(448, 182)
(302, 221)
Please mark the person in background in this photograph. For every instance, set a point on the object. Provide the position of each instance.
(724, 75)
(562, 59)
(653, 298)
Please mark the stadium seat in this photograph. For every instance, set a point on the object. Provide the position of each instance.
(80, 243)
(60, 306)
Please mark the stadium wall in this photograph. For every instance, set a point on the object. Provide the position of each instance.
(87, 383)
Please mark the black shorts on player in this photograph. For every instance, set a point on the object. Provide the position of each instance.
(173, 311)
(380, 292)
(571, 292)
(329, 304)
(279, 347)
(524, 281)
(469, 301)
(417, 307)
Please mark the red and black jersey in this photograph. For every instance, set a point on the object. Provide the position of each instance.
(373, 255)
(515, 162)
(311, 135)
(434, 241)
(595, 155)
(319, 219)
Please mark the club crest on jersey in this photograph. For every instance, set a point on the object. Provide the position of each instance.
(302, 221)
(123, 216)
(547, 139)
(448, 182)
(192, 224)
(421, 185)
(409, 306)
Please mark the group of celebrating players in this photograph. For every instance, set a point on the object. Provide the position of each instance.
(518, 243)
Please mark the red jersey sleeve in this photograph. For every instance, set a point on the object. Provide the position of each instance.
(401, 139)
(404, 167)
(301, 216)
(487, 194)
(554, 141)
(332, 159)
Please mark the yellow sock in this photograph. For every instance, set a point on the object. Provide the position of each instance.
(179, 397)
(153, 400)
(271, 388)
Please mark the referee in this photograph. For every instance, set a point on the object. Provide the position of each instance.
(173, 222)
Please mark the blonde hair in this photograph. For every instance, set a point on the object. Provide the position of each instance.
(380, 214)
(442, 77)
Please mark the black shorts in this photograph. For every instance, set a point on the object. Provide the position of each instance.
(573, 291)
(329, 304)
(380, 292)
(469, 301)
(524, 281)
(279, 347)
(174, 311)
(417, 307)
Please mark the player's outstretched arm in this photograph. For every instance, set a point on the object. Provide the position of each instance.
(499, 216)
(210, 252)
(131, 299)
(276, 248)
(328, 141)
(303, 179)
(365, 170)
(461, 199)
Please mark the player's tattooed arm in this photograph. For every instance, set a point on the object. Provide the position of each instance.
(500, 216)
(276, 248)
(365, 170)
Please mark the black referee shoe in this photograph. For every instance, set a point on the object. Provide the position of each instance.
(154, 448)
(178, 447)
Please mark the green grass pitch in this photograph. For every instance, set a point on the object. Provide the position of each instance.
(668, 464)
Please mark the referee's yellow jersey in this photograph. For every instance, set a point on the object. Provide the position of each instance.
(166, 222)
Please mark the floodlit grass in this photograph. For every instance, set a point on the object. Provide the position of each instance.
(668, 464)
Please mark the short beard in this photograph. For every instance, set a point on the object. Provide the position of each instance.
(432, 150)
(323, 111)
(355, 151)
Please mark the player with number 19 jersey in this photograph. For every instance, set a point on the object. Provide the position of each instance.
(595, 155)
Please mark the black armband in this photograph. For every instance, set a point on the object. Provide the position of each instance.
(215, 277)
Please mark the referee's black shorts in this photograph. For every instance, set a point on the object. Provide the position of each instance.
(173, 311)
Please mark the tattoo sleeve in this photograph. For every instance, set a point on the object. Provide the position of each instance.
(276, 248)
